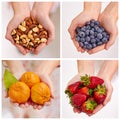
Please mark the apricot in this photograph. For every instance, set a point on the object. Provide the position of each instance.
(40, 93)
(30, 78)
(19, 92)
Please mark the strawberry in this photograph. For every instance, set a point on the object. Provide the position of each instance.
(88, 106)
(91, 81)
(85, 90)
(100, 94)
(72, 89)
(78, 99)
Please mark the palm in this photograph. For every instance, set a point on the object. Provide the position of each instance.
(15, 21)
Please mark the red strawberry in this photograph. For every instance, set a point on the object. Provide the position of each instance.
(89, 105)
(85, 90)
(78, 99)
(91, 81)
(72, 89)
(100, 94)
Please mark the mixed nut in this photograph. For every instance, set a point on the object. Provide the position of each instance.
(29, 34)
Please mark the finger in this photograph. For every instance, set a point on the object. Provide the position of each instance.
(22, 105)
(21, 49)
(98, 108)
(111, 41)
(9, 37)
(109, 94)
(39, 107)
(39, 48)
(48, 81)
(47, 103)
(51, 36)
(76, 110)
(50, 39)
(75, 79)
(71, 29)
(97, 49)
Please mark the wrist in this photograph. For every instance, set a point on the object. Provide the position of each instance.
(85, 67)
(22, 13)
(92, 8)
(46, 67)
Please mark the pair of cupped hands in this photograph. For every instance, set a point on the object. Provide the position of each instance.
(44, 77)
(101, 74)
(107, 20)
(42, 17)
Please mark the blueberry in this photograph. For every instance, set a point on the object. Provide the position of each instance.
(77, 30)
(95, 34)
(77, 38)
(87, 39)
(81, 44)
(96, 23)
(81, 34)
(99, 36)
(99, 43)
(107, 36)
(89, 46)
(82, 40)
(85, 46)
(102, 29)
(104, 40)
(97, 40)
(92, 21)
(104, 34)
(83, 28)
(93, 40)
(88, 23)
(86, 43)
(94, 45)
(91, 32)
(88, 27)
(92, 37)
(92, 24)
(87, 32)
(93, 29)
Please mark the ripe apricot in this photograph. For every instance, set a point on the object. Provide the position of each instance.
(30, 78)
(19, 92)
(40, 93)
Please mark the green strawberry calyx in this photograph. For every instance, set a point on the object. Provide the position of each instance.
(85, 79)
(101, 89)
(90, 104)
(68, 92)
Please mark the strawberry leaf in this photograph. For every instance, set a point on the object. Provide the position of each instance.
(9, 79)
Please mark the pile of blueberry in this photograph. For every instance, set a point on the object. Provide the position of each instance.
(91, 35)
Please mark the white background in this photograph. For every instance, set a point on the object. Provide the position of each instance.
(70, 11)
(9, 51)
(69, 70)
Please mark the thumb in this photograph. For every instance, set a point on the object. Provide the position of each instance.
(111, 41)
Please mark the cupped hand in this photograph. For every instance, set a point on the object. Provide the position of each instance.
(46, 22)
(14, 22)
(79, 21)
(109, 88)
(109, 23)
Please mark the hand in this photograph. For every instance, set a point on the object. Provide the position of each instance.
(109, 94)
(44, 20)
(109, 24)
(14, 22)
